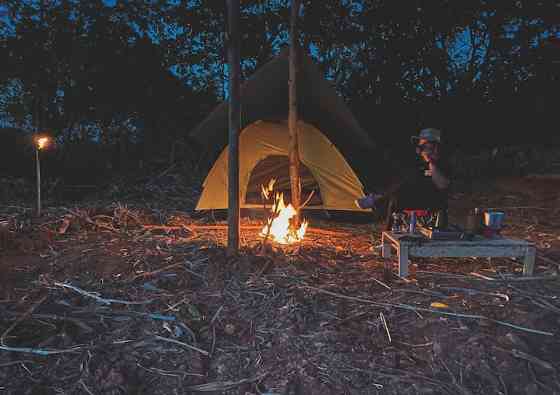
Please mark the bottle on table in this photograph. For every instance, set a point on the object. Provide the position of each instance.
(412, 223)
(441, 219)
(479, 220)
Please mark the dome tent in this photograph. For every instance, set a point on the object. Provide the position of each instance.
(328, 136)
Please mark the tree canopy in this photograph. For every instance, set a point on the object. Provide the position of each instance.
(147, 72)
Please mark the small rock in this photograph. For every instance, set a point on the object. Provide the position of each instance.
(421, 324)
(517, 341)
(229, 329)
(438, 348)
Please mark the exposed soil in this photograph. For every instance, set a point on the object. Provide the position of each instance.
(167, 311)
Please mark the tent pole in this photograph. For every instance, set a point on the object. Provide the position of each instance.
(234, 124)
(292, 114)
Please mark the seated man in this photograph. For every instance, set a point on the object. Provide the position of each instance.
(425, 188)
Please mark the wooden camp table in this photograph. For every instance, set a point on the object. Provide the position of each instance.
(417, 245)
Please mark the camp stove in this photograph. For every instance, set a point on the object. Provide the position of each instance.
(490, 233)
(430, 232)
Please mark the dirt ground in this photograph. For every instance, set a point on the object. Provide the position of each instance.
(94, 302)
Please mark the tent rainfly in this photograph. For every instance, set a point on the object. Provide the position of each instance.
(326, 129)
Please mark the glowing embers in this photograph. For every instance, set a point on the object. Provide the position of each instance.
(280, 225)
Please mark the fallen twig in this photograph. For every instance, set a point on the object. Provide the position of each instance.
(407, 375)
(483, 277)
(382, 318)
(85, 387)
(544, 304)
(20, 319)
(408, 307)
(90, 221)
(506, 278)
(3, 365)
(216, 315)
(193, 272)
(159, 317)
(381, 283)
(223, 385)
(547, 260)
(531, 278)
(308, 199)
(38, 351)
(98, 298)
(269, 224)
(504, 386)
(530, 358)
(165, 339)
(428, 344)
(475, 291)
(158, 271)
(163, 372)
(172, 227)
(444, 274)
(54, 317)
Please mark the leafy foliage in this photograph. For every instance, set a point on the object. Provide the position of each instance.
(145, 73)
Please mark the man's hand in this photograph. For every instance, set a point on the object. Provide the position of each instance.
(426, 156)
(429, 157)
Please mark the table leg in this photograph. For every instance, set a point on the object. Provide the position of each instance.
(529, 262)
(386, 248)
(403, 261)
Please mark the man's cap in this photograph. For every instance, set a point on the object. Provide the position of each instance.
(429, 134)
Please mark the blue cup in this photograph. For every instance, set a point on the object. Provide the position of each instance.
(494, 219)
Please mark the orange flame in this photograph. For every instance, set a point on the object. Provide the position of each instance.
(42, 142)
(278, 225)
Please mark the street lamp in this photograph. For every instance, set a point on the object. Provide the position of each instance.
(41, 142)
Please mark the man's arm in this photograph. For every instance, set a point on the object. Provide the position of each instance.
(438, 177)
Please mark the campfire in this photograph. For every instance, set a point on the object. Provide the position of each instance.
(280, 226)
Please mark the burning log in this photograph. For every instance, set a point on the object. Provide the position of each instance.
(279, 224)
(283, 223)
(269, 222)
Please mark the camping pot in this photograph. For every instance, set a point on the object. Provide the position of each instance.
(473, 223)
(494, 219)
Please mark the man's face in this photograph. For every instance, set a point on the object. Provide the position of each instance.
(427, 150)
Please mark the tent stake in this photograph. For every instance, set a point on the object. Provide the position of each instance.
(234, 125)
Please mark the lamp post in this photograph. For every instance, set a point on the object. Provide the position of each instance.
(40, 143)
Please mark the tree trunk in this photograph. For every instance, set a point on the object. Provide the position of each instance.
(293, 115)
(234, 124)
